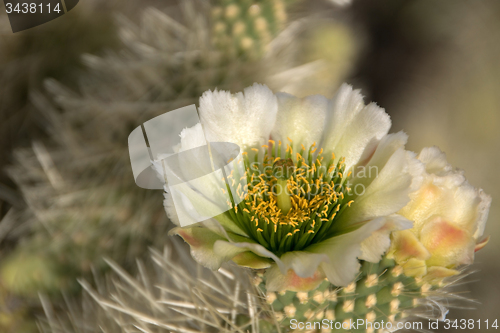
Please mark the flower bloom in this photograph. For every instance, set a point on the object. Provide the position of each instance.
(449, 218)
(338, 202)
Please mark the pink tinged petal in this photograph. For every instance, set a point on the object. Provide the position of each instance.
(277, 281)
(301, 119)
(304, 264)
(299, 271)
(436, 274)
(245, 118)
(448, 244)
(405, 245)
(251, 260)
(377, 244)
(448, 194)
(481, 244)
(343, 252)
(201, 241)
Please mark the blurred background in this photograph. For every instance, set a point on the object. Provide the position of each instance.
(72, 90)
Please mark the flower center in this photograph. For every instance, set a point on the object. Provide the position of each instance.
(292, 200)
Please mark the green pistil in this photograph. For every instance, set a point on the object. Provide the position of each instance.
(292, 202)
(283, 198)
(283, 169)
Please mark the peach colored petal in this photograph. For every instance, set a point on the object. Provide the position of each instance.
(449, 244)
(405, 245)
(291, 281)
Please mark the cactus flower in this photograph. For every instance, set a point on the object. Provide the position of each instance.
(335, 203)
(449, 218)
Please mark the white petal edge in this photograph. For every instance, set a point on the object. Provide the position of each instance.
(301, 119)
(353, 130)
(386, 194)
(245, 118)
(343, 252)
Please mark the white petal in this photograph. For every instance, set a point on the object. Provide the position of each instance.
(192, 137)
(244, 118)
(343, 252)
(483, 211)
(365, 173)
(222, 224)
(192, 183)
(168, 203)
(416, 169)
(377, 244)
(385, 195)
(387, 147)
(469, 208)
(196, 200)
(301, 119)
(434, 160)
(352, 129)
